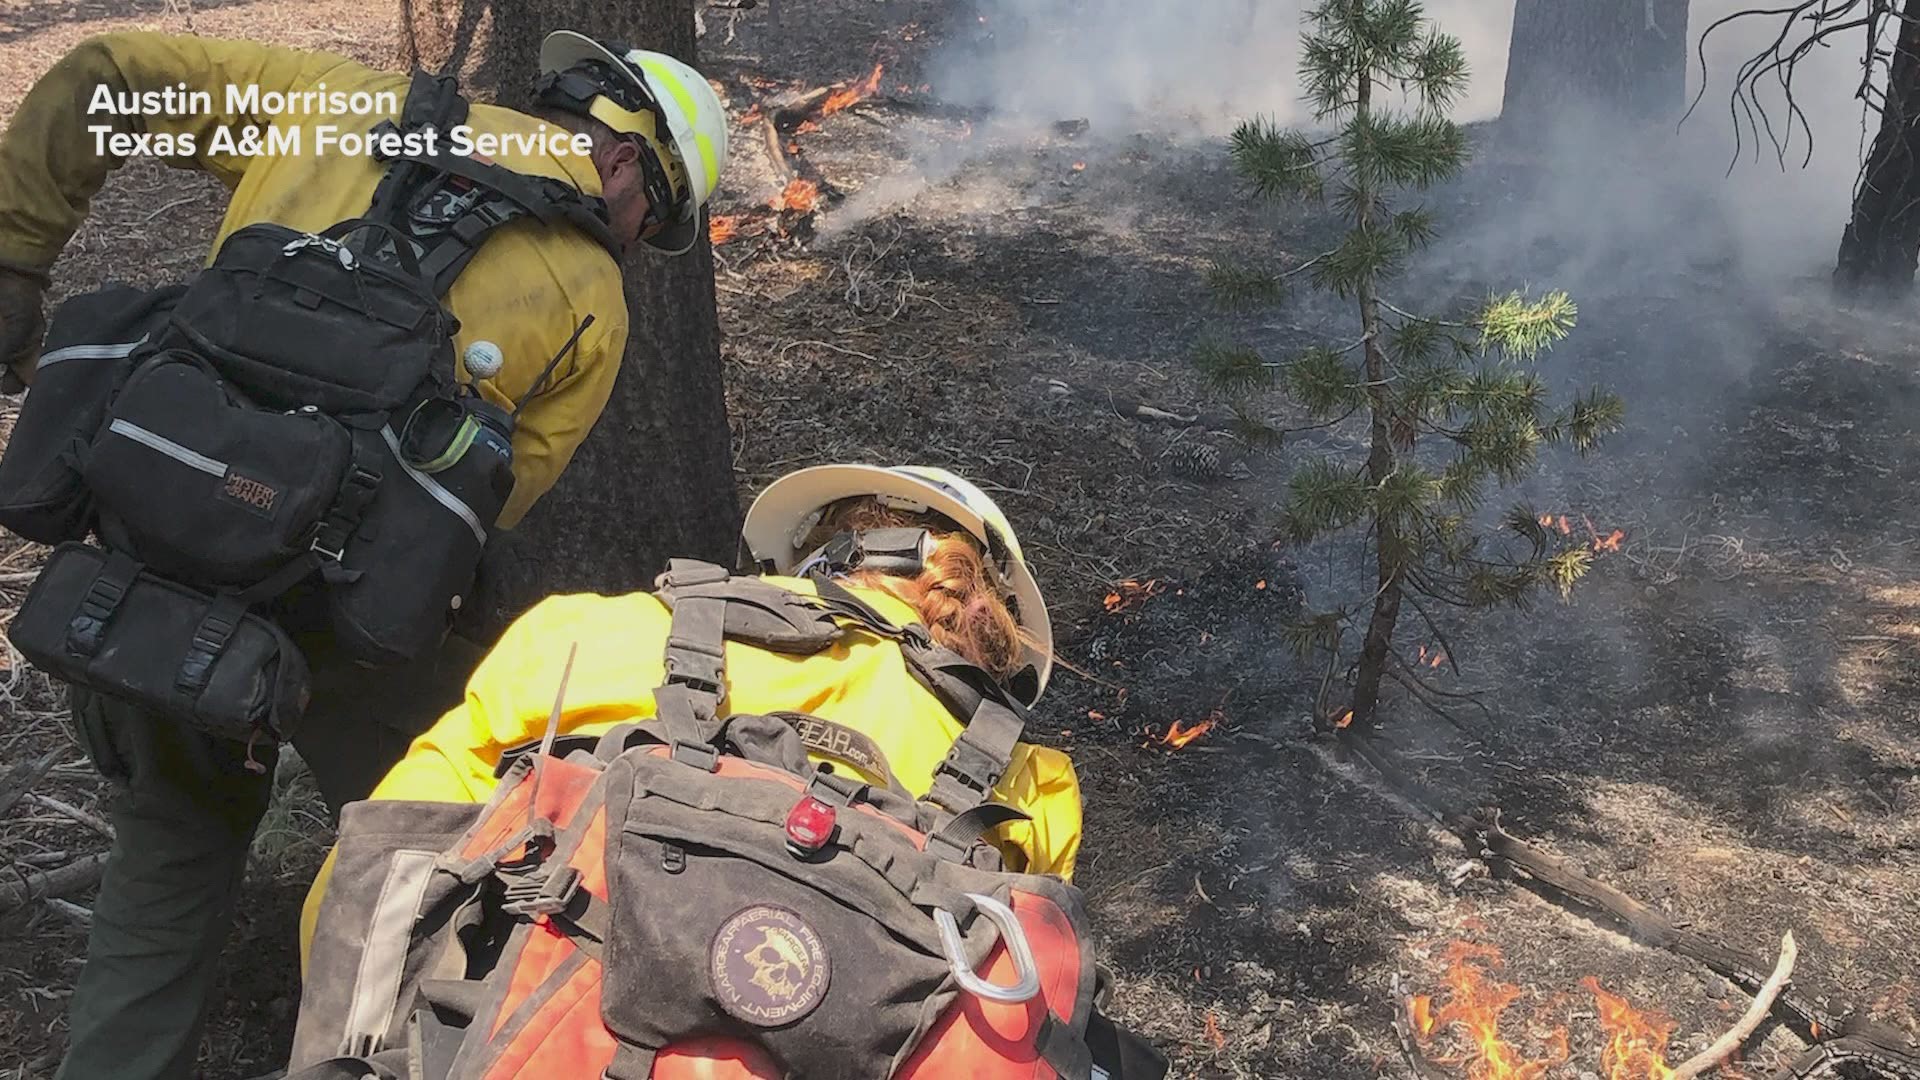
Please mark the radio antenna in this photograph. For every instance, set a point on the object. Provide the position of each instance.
(547, 372)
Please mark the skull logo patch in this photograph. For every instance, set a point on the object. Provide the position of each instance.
(768, 966)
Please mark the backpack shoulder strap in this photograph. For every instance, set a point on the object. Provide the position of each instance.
(448, 204)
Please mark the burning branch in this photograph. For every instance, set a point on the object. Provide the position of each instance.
(1726, 1044)
(1405, 1021)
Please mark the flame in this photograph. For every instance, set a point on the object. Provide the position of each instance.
(1346, 719)
(1261, 584)
(1637, 1042)
(1178, 736)
(722, 228)
(1213, 1033)
(1130, 592)
(1610, 542)
(751, 116)
(807, 127)
(1079, 166)
(1474, 1004)
(800, 195)
(858, 92)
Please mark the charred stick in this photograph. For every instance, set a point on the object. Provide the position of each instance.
(1858, 1055)
(791, 113)
(1403, 1027)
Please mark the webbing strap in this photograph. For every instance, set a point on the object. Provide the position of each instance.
(696, 666)
(630, 1062)
(209, 641)
(548, 201)
(1062, 1048)
(376, 987)
(956, 838)
(88, 627)
(328, 543)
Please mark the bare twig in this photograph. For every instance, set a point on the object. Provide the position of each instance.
(1726, 1044)
(91, 821)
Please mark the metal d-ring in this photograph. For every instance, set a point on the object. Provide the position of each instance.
(1011, 933)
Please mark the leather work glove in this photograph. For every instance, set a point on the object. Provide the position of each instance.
(22, 326)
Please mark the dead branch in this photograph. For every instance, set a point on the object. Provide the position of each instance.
(1403, 1027)
(22, 776)
(1132, 408)
(76, 876)
(1892, 1053)
(1725, 1045)
(91, 821)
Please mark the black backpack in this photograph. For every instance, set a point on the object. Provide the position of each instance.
(282, 440)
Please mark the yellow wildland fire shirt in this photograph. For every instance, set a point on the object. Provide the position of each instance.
(862, 682)
(526, 291)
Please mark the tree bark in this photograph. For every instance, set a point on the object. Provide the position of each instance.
(1881, 243)
(1623, 60)
(1389, 551)
(654, 480)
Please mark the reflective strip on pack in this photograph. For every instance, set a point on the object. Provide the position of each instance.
(155, 441)
(376, 988)
(91, 352)
(433, 487)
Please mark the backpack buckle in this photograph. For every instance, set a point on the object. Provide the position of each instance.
(537, 896)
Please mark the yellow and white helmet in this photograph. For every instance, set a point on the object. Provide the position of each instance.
(784, 516)
(638, 92)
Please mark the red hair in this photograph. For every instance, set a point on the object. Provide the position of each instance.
(956, 594)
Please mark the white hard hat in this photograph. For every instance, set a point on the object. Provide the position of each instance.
(696, 122)
(779, 522)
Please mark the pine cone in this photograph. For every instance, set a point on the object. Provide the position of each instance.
(1196, 461)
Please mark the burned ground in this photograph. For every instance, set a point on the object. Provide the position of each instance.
(1721, 723)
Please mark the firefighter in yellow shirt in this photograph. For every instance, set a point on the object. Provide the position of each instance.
(954, 566)
(187, 806)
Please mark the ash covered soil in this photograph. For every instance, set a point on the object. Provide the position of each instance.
(1721, 723)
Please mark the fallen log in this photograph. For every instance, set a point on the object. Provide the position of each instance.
(1895, 1055)
(1857, 1055)
(76, 876)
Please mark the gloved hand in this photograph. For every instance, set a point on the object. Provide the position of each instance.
(22, 326)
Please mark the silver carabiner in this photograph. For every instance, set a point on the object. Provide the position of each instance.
(1024, 969)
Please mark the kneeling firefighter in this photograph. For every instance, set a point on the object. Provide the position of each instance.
(290, 471)
(757, 826)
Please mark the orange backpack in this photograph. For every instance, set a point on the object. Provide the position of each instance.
(693, 897)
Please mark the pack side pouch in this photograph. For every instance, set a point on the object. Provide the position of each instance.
(201, 485)
(297, 319)
(834, 966)
(416, 552)
(91, 345)
(100, 620)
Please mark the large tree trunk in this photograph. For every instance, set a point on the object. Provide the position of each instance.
(1882, 241)
(1625, 60)
(655, 478)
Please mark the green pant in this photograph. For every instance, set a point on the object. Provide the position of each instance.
(184, 812)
